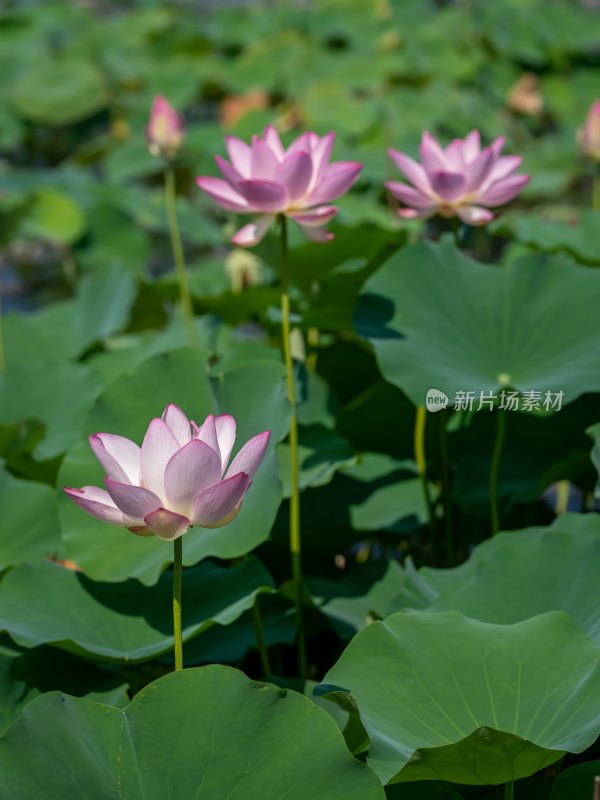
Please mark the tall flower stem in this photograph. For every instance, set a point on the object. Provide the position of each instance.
(509, 790)
(295, 540)
(596, 188)
(495, 469)
(421, 459)
(260, 639)
(177, 248)
(177, 576)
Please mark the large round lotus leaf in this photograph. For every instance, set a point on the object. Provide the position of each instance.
(202, 733)
(254, 393)
(48, 604)
(439, 320)
(557, 572)
(449, 698)
(24, 677)
(29, 530)
(430, 583)
(59, 93)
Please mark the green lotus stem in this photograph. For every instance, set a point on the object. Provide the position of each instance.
(260, 639)
(495, 469)
(509, 790)
(446, 488)
(177, 248)
(295, 539)
(421, 460)
(596, 189)
(177, 576)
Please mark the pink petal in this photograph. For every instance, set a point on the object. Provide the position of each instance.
(316, 234)
(264, 195)
(226, 429)
(125, 452)
(207, 433)
(99, 504)
(303, 142)
(271, 137)
(223, 194)
(263, 160)
(218, 504)
(432, 155)
(178, 423)
(253, 232)
(158, 447)
(448, 185)
(314, 217)
(334, 180)
(412, 197)
(239, 155)
(167, 524)
(295, 173)
(109, 464)
(498, 144)
(455, 158)
(504, 190)
(414, 172)
(321, 153)
(189, 471)
(249, 459)
(472, 146)
(503, 167)
(479, 169)
(134, 501)
(475, 215)
(231, 175)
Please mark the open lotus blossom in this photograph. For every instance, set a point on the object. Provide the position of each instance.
(264, 179)
(178, 478)
(462, 180)
(165, 129)
(589, 135)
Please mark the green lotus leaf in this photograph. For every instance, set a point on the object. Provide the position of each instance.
(450, 698)
(24, 677)
(554, 572)
(439, 320)
(577, 781)
(29, 521)
(48, 604)
(59, 92)
(207, 732)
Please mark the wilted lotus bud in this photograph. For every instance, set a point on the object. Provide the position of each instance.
(165, 130)
(589, 135)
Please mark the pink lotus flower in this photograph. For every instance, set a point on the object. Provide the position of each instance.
(165, 129)
(589, 135)
(179, 477)
(265, 179)
(461, 180)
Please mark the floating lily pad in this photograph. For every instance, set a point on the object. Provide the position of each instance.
(449, 698)
(208, 730)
